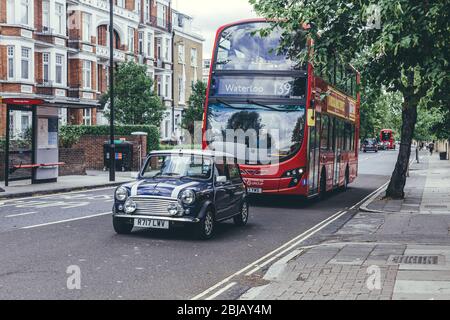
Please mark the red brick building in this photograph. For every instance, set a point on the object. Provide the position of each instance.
(58, 51)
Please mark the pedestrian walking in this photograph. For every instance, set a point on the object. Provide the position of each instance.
(431, 147)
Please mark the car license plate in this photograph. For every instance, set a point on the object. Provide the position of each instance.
(151, 223)
(254, 190)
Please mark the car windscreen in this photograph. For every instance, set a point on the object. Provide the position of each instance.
(177, 166)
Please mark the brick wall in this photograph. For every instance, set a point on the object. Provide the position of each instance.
(3, 11)
(38, 14)
(74, 160)
(93, 150)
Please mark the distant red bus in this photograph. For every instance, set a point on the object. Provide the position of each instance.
(316, 112)
(387, 137)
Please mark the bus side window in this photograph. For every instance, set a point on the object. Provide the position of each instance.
(333, 133)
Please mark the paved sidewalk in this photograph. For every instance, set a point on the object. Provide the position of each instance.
(93, 179)
(401, 250)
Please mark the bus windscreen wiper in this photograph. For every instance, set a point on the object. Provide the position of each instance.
(227, 104)
(262, 105)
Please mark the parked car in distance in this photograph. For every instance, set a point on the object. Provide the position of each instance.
(182, 188)
(370, 145)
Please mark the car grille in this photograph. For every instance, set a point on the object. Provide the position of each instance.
(152, 206)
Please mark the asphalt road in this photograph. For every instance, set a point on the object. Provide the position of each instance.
(42, 238)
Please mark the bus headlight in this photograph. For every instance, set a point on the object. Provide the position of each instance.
(293, 173)
(121, 193)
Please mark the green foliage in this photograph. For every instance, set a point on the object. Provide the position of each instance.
(135, 101)
(194, 111)
(380, 110)
(69, 135)
(408, 53)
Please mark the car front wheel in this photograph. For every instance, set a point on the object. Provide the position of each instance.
(206, 227)
(121, 226)
(242, 218)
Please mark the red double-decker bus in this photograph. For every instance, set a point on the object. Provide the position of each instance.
(312, 115)
(387, 138)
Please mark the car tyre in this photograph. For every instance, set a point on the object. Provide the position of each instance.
(242, 218)
(206, 227)
(122, 226)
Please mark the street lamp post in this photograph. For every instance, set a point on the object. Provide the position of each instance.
(112, 150)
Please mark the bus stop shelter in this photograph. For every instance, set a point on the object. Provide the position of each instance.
(31, 144)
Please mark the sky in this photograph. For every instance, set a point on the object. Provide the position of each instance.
(209, 15)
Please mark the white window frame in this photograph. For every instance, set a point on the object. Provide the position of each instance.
(167, 49)
(141, 42)
(87, 116)
(150, 45)
(59, 65)
(25, 10)
(181, 54)
(10, 12)
(130, 39)
(60, 18)
(25, 58)
(11, 64)
(87, 27)
(194, 57)
(87, 74)
(121, 3)
(167, 87)
(46, 67)
(147, 11)
(46, 15)
(161, 13)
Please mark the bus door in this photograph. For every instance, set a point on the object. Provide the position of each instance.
(314, 157)
(337, 145)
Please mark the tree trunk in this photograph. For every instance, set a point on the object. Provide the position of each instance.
(396, 186)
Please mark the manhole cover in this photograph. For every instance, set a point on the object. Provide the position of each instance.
(416, 259)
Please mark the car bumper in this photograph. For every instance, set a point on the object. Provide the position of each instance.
(172, 219)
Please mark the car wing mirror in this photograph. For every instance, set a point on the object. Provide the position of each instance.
(221, 179)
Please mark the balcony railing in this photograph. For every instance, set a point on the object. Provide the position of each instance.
(44, 82)
(161, 23)
(103, 51)
(104, 5)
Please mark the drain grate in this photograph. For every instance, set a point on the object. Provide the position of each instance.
(417, 259)
(435, 206)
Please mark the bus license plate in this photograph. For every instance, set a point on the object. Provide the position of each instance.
(254, 190)
(151, 223)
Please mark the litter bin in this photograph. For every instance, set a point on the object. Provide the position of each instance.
(443, 155)
(123, 156)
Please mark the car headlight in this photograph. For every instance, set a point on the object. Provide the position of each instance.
(187, 197)
(130, 206)
(121, 193)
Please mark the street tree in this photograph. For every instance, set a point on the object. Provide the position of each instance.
(135, 100)
(194, 110)
(401, 45)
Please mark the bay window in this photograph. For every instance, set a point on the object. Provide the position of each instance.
(46, 67)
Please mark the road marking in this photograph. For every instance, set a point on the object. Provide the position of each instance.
(20, 214)
(67, 220)
(55, 194)
(290, 244)
(218, 293)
